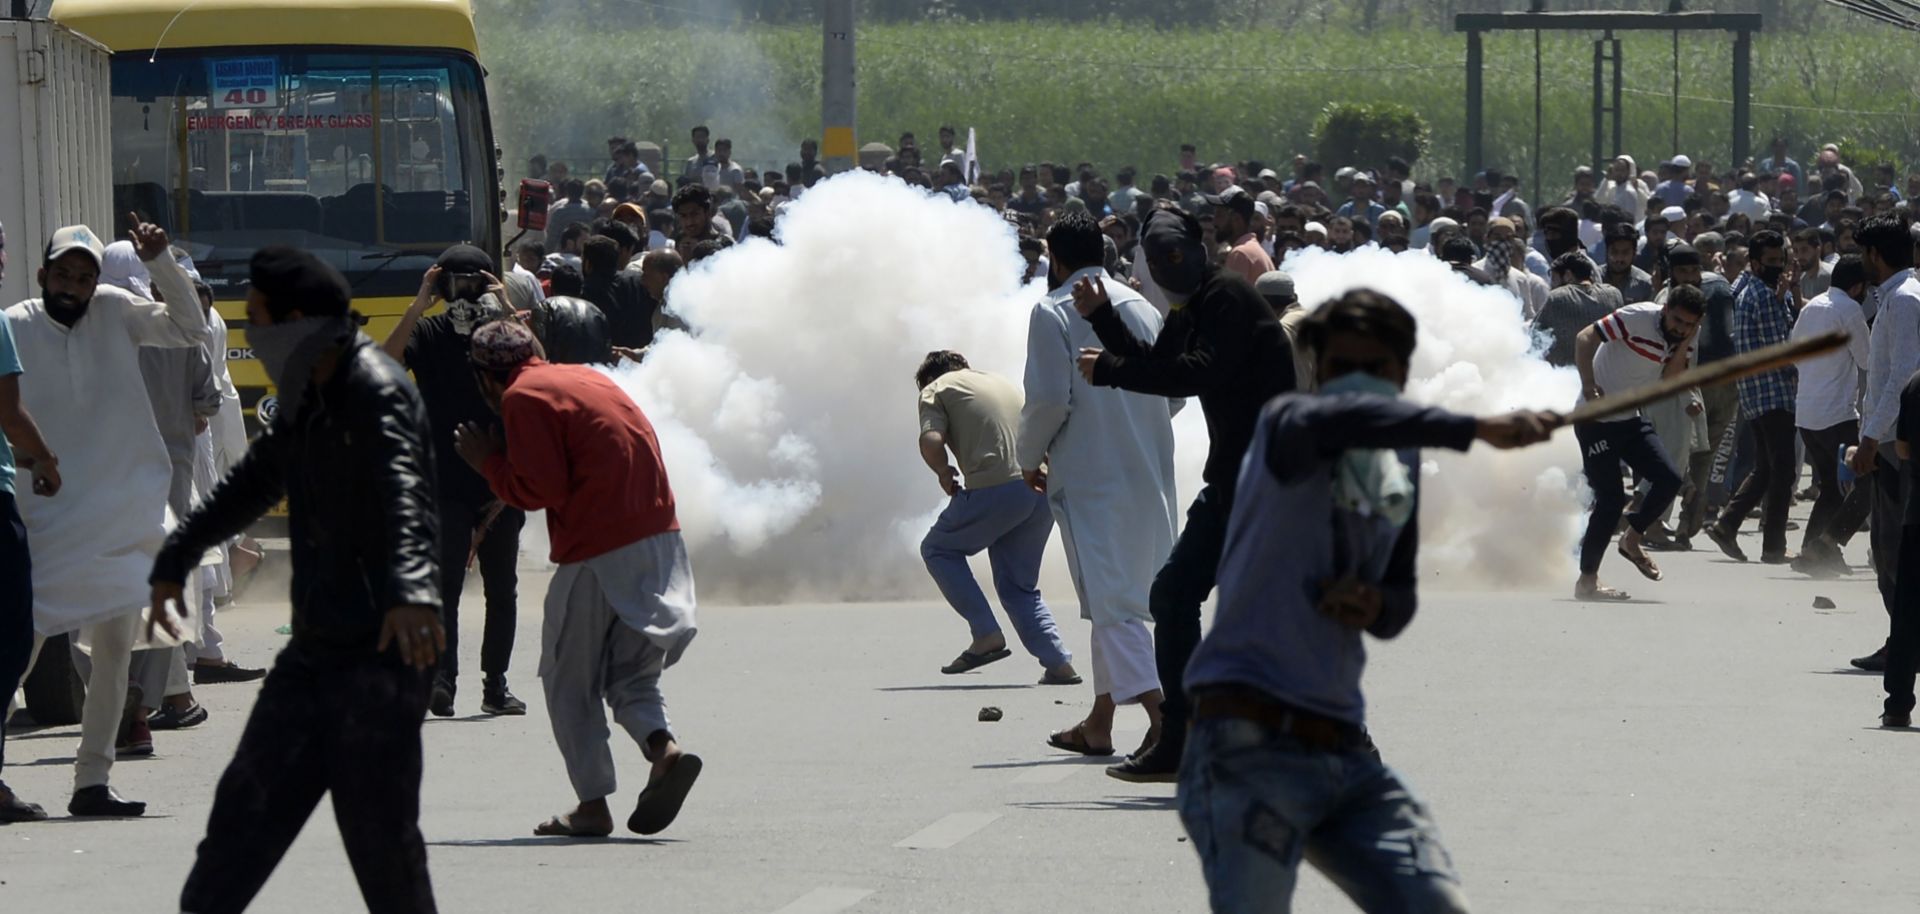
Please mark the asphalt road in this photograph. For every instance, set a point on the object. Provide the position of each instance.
(1703, 750)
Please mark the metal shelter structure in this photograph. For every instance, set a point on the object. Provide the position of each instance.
(1899, 13)
(1606, 68)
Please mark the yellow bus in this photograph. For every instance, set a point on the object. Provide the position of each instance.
(354, 129)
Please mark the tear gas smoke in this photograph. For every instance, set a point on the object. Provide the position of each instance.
(1487, 518)
(788, 424)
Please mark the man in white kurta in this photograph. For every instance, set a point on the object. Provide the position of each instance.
(94, 545)
(1109, 480)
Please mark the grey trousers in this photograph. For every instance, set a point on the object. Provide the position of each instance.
(595, 661)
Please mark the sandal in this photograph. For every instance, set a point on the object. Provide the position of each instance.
(969, 661)
(1074, 739)
(1601, 595)
(660, 802)
(1644, 562)
(561, 826)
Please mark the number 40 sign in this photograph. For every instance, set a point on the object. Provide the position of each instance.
(244, 82)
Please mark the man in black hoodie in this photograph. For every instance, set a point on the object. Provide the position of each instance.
(1221, 343)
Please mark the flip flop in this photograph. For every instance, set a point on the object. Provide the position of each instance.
(660, 803)
(1051, 679)
(1078, 742)
(560, 827)
(969, 661)
(1645, 563)
(1602, 595)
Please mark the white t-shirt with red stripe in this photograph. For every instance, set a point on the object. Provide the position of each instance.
(1633, 349)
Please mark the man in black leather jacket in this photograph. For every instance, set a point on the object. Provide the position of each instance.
(1221, 343)
(342, 709)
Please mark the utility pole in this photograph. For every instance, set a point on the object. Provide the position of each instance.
(838, 150)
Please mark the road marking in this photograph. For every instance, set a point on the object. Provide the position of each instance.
(1050, 774)
(826, 900)
(948, 831)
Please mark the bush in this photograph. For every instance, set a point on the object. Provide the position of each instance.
(1117, 94)
(1367, 135)
(1864, 158)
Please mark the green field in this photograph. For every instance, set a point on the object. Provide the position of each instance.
(1116, 95)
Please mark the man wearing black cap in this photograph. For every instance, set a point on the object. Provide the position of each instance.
(1233, 211)
(473, 524)
(341, 710)
(1222, 344)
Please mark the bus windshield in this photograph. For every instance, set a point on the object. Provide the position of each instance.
(373, 161)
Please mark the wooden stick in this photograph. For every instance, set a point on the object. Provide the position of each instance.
(1713, 374)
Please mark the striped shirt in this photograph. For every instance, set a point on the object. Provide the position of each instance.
(1633, 349)
(1760, 319)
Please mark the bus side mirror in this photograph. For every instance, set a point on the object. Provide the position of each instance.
(535, 197)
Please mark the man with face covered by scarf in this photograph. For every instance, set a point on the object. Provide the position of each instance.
(473, 524)
(79, 348)
(340, 714)
(1222, 344)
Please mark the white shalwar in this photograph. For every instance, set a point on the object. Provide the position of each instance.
(614, 622)
(216, 451)
(1110, 477)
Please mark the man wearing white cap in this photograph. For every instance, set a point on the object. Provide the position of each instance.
(1679, 184)
(1623, 188)
(93, 546)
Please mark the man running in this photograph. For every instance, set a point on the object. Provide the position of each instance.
(1632, 347)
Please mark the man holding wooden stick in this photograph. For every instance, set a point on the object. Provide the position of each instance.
(1634, 346)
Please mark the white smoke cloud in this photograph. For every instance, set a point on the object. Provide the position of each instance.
(788, 424)
(1491, 518)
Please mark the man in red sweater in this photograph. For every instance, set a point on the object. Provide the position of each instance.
(620, 609)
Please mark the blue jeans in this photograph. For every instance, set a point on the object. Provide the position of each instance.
(1256, 802)
(1011, 522)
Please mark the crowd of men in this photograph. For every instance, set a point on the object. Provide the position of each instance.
(1171, 291)
(458, 422)
(400, 464)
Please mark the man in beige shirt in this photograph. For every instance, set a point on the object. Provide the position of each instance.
(976, 415)
(1233, 212)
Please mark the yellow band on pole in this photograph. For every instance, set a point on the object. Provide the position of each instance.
(838, 143)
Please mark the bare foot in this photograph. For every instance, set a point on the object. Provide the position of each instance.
(588, 820)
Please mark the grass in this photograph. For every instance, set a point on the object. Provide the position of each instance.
(1117, 95)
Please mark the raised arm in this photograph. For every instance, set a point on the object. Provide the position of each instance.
(396, 342)
(1310, 430)
(1220, 344)
(180, 321)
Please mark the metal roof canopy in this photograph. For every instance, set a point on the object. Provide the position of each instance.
(1606, 50)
